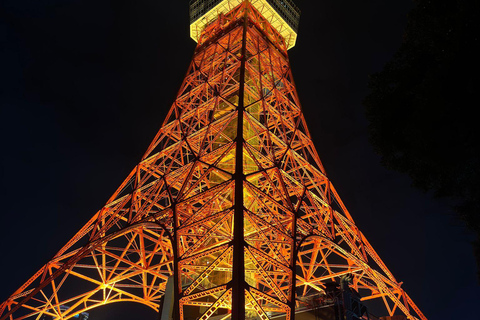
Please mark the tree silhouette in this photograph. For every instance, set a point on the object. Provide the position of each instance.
(423, 106)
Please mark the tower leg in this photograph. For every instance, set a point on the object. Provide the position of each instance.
(166, 312)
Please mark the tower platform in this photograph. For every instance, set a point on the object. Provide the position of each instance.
(283, 15)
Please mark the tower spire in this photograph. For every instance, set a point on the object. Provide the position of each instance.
(230, 198)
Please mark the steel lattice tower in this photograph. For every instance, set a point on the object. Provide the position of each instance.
(230, 201)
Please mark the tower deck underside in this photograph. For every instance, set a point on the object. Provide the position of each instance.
(230, 202)
(282, 15)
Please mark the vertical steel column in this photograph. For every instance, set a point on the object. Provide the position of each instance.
(293, 266)
(176, 274)
(238, 270)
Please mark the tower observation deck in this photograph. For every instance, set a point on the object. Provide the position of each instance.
(230, 214)
(283, 15)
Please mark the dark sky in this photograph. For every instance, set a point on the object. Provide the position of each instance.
(85, 85)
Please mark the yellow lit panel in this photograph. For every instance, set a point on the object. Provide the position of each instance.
(262, 6)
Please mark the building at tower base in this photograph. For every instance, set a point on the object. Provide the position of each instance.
(64, 308)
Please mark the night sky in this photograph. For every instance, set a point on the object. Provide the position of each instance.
(85, 85)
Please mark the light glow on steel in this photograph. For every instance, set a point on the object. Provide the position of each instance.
(268, 12)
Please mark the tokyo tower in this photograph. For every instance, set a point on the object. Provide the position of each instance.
(229, 214)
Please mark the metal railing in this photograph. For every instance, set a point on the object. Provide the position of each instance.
(198, 8)
(288, 11)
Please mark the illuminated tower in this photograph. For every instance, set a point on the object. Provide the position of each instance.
(230, 206)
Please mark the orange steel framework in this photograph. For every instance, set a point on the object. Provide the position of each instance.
(230, 200)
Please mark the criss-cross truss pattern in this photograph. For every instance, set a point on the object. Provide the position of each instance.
(230, 202)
